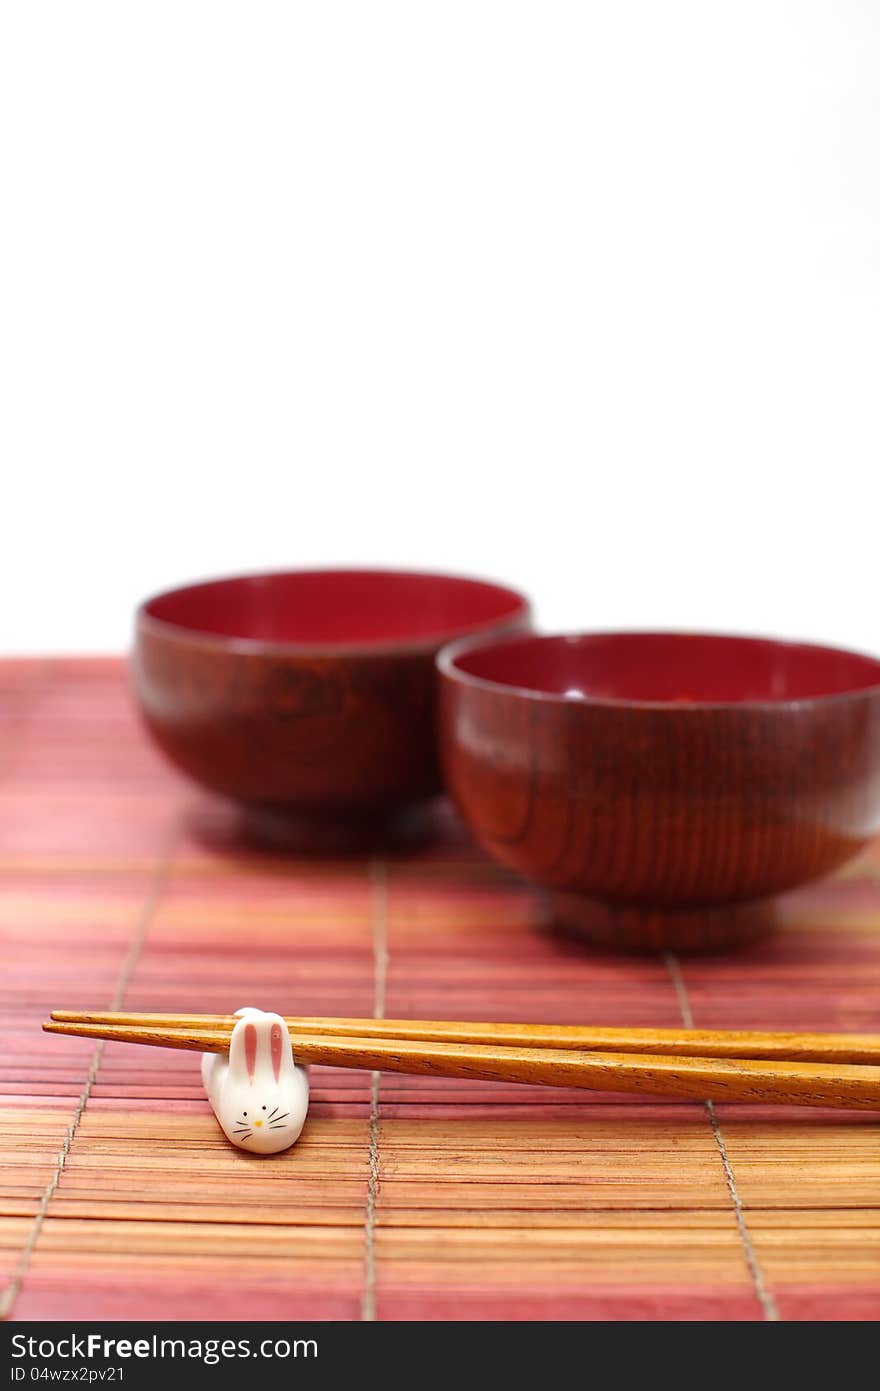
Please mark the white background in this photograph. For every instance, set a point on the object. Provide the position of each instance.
(583, 296)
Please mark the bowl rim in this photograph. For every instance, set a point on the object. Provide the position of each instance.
(448, 656)
(521, 613)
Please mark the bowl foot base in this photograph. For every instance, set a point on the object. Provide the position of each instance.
(631, 927)
(310, 833)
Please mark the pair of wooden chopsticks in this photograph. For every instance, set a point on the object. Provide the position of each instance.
(799, 1069)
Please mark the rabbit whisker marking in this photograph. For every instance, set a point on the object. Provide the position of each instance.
(280, 1118)
(272, 1114)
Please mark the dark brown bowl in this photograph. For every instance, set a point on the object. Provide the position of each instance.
(310, 693)
(663, 786)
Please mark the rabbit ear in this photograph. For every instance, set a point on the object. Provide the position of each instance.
(260, 1042)
(243, 1049)
(276, 1045)
(275, 1049)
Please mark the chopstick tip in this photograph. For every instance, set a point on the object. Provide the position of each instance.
(58, 1026)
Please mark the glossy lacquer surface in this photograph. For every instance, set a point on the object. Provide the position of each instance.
(664, 787)
(308, 692)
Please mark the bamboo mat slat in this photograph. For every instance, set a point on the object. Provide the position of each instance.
(407, 1197)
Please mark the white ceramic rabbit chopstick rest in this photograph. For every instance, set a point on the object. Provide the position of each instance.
(258, 1094)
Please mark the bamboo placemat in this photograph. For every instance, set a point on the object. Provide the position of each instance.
(406, 1198)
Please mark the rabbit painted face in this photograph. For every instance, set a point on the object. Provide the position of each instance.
(258, 1094)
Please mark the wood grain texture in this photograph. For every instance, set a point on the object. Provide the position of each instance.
(490, 1199)
(658, 826)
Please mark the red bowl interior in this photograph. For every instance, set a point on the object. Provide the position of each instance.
(337, 607)
(669, 668)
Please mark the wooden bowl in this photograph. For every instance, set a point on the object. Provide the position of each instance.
(309, 693)
(663, 786)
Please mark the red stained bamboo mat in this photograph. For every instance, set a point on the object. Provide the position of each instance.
(406, 1198)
